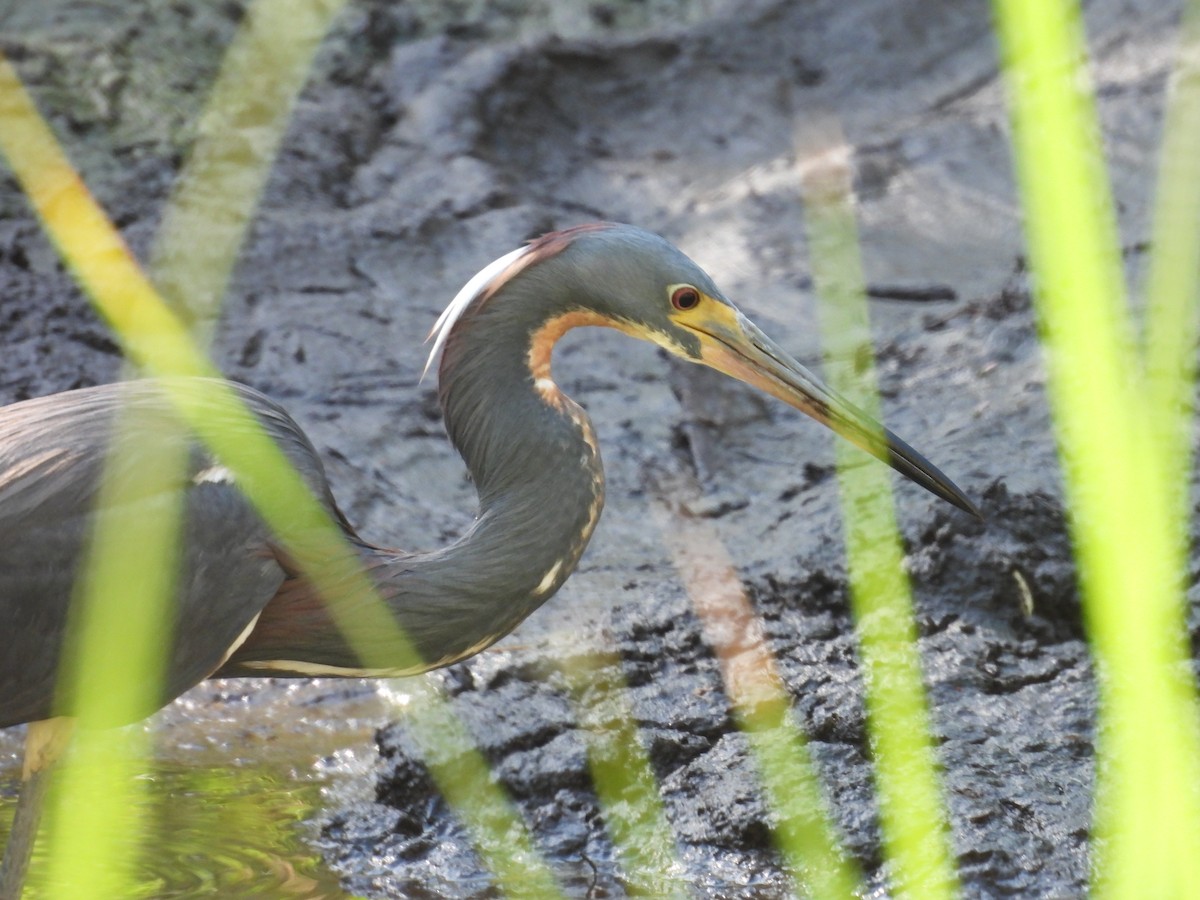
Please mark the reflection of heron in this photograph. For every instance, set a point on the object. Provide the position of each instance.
(243, 610)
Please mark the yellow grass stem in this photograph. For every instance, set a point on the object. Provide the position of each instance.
(158, 341)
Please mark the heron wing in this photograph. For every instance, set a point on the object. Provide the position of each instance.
(52, 453)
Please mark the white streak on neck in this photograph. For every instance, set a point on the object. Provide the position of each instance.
(321, 670)
(547, 581)
(215, 474)
(463, 299)
(238, 641)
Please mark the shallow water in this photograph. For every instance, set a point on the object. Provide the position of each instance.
(221, 832)
(236, 787)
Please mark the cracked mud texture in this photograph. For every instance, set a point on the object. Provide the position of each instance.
(433, 137)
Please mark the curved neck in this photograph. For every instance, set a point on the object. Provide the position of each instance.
(533, 456)
(536, 465)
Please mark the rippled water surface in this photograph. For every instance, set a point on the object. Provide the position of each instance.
(236, 787)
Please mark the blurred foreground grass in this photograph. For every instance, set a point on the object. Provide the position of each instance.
(1123, 420)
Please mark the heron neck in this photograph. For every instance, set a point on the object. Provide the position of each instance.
(533, 456)
(534, 460)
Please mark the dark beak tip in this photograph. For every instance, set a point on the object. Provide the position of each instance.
(954, 495)
(968, 507)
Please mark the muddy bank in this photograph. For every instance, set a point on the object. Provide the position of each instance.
(434, 137)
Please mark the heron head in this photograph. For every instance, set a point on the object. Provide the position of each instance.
(639, 283)
(643, 285)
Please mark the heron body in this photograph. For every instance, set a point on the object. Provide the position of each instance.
(243, 609)
(531, 451)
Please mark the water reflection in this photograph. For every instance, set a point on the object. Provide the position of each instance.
(221, 832)
(237, 785)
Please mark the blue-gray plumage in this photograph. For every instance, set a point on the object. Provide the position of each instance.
(529, 448)
(243, 609)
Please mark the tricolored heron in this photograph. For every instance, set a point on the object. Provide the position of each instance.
(243, 610)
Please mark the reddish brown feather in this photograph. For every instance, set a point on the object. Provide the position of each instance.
(539, 249)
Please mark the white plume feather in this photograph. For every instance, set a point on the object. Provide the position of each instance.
(472, 289)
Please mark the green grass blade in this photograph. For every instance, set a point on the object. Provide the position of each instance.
(1123, 525)
(623, 777)
(1173, 284)
(915, 830)
(238, 135)
(113, 669)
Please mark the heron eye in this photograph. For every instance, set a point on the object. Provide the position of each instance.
(684, 298)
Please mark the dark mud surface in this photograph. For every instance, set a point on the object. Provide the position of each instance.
(435, 136)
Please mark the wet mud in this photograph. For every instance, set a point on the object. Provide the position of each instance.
(434, 137)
